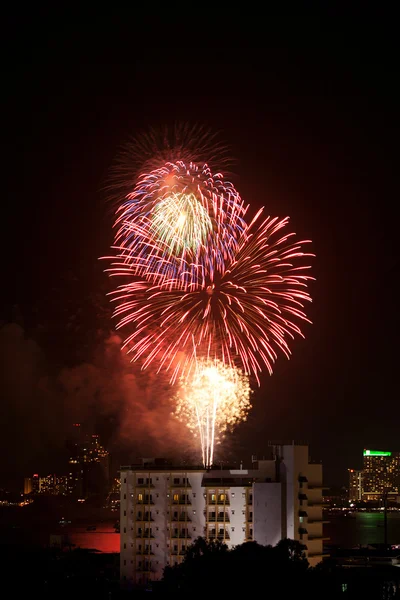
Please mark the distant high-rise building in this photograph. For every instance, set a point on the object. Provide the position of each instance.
(27, 485)
(381, 474)
(35, 483)
(165, 508)
(88, 464)
(355, 485)
(49, 485)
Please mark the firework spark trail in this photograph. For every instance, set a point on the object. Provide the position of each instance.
(242, 315)
(179, 219)
(211, 402)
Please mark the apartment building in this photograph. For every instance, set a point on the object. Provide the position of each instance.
(164, 508)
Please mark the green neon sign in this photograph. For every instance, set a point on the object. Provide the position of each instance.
(376, 453)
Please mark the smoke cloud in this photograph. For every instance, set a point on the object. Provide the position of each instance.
(130, 408)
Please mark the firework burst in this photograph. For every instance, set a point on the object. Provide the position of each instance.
(180, 219)
(242, 312)
(212, 401)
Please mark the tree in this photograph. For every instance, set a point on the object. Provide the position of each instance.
(210, 565)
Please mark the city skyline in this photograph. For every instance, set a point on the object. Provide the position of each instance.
(311, 135)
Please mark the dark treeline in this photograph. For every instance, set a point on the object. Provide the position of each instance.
(208, 568)
(279, 571)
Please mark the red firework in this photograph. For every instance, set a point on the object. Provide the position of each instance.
(242, 313)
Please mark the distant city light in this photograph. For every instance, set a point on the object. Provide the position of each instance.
(376, 453)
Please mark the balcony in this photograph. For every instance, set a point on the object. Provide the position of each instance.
(181, 519)
(218, 502)
(321, 520)
(144, 485)
(181, 536)
(179, 486)
(145, 534)
(303, 531)
(317, 503)
(144, 552)
(145, 500)
(182, 501)
(143, 519)
(219, 519)
(219, 536)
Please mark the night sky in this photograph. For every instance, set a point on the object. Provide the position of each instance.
(314, 131)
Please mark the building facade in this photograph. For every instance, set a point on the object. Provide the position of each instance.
(163, 509)
(381, 474)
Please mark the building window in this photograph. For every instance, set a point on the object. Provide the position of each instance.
(140, 481)
(124, 479)
(212, 497)
(124, 513)
(124, 529)
(140, 497)
(222, 497)
(124, 563)
(124, 496)
(176, 480)
(176, 497)
(125, 546)
(301, 519)
(149, 481)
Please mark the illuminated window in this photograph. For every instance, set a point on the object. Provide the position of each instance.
(140, 497)
(213, 497)
(176, 497)
(222, 497)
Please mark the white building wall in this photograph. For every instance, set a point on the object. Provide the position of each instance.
(126, 527)
(237, 515)
(267, 513)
